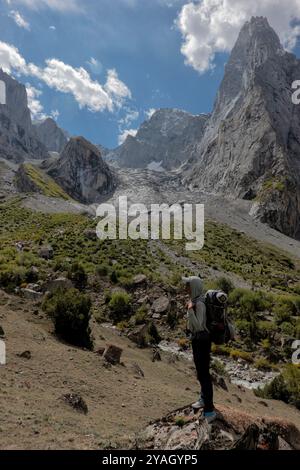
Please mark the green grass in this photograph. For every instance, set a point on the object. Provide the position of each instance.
(231, 251)
(45, 184)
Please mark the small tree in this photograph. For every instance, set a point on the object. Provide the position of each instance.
(78, 276)
(119, 306)
(70, 311)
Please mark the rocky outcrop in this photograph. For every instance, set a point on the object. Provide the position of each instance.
(81, 172)
(233, 430)
(250, 148)
(51, 135)
(168, 138)
(18, 141)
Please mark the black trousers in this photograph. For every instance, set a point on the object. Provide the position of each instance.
(201, 345)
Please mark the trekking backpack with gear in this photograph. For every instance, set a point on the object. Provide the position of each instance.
(220, 328)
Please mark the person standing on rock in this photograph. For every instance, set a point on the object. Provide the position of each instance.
(201, 344)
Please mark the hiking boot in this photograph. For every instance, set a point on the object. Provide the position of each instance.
(198, 404)
(210, 416)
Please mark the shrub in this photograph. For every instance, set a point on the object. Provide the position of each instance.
(153, 336)
(224, 284)
(172, 319)
(246, 303)
(78, 276)
(284, 387)
(102, 270)
(287, 329)
(113, 277)
(70, 311)
(119, 306)
(140, 316)
(262, 364)
(219, 367)
(13, 276)
(236, 354)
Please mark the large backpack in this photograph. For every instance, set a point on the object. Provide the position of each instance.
(221, 330)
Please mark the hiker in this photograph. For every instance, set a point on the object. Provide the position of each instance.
(201, 344)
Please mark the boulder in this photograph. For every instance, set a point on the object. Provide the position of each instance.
(139, 279)
(139, 335)
(161, 305)
(31, 294)
(90, 234)
(46, 252)
(112, 354)
(61, 283)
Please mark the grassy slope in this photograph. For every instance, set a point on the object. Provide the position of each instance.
(46, 185)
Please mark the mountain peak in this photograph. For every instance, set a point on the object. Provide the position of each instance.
(257, 42)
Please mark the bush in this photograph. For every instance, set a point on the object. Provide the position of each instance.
(262, 364)
(284, 387)
(236, 354)
(70, 311)
(246, 303)
(287, 329)
(140, 316)
(224, 284)
(102, 270)
(13, 276)
(119, 306)
(113, 277)
(153, 336)
(78, 276)
(219, 367)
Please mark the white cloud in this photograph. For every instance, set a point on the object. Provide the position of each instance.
(130, 116)
(95, 65)
(67, 79)
(115, 88)
(122, 137)
(150, 113)
(10, 58)
(59, 5)
(19, 20)
(55, 114)
(212, 26)
(52, 27)
(34, 104)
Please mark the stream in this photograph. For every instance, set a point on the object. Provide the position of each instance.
(239, 371)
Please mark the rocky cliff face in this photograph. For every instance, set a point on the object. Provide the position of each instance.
(18, 140)
(51, 135)
(169, 136)
(251, 147)
(81, 172)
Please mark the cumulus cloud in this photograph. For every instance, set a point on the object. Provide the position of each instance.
(125, 133)
(116, 88)
(59, 5)
(34, 104)
(212, 26)
(150, 113)
(19, 20)
(67, 79)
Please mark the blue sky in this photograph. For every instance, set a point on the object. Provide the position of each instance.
(137, 38)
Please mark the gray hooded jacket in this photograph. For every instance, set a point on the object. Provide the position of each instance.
(196, 317)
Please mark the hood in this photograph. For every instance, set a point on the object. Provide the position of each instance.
(196, 286)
